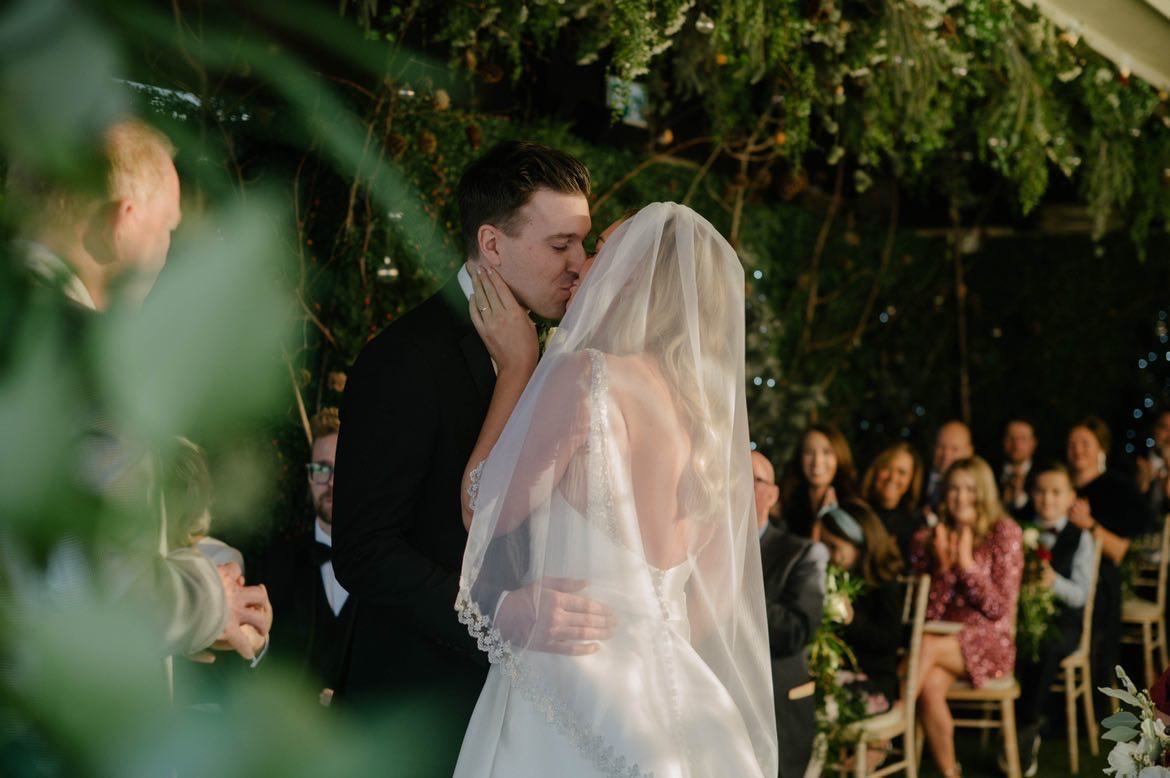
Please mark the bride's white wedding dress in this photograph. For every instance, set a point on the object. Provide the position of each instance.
(629, 444)
(644, 704)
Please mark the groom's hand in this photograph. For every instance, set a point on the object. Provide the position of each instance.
(546, 615)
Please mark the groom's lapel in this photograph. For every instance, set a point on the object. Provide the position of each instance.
(478, 361)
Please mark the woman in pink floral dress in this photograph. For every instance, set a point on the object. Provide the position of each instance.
(975, 559)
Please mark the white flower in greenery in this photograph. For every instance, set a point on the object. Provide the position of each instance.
(1031, 538)
(1123, 760)
(831, 709)
(1154, 772)
(1153, 739)
(837, 607)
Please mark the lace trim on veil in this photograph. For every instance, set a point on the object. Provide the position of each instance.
(547, 700)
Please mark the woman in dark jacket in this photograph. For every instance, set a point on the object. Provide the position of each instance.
(1111, 510)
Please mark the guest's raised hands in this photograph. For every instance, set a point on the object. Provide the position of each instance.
(965, 547)
(1080, 514)
(943, 543)
(503, 323)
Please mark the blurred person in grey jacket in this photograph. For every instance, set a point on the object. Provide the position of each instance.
(91, 250)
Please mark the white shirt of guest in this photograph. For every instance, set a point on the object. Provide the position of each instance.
(50, 268)
(1074, 590)
(1009, 471)
(335, 593)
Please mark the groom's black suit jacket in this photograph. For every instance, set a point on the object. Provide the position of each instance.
(414, 403)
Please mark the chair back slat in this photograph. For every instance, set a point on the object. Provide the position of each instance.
(1091, 600)
(917, 596)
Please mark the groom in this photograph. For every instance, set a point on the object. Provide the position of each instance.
(413, 406)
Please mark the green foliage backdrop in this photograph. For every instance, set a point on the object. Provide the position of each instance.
(319, 153)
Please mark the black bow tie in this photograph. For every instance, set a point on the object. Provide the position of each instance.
(322, 553)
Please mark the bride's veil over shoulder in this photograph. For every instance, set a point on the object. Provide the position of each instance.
(658, 324)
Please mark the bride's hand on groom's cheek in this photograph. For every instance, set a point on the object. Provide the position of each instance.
(547, 616)
(503, 323)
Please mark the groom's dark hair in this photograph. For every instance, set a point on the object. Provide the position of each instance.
(496, 186)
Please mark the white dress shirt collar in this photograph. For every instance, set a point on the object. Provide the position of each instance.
(1024, 467)
(464, 276)
(335, 593)
(51, 269)
(465, 281)
(1056, 527)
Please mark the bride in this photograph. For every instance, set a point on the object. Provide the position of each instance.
(620, 477)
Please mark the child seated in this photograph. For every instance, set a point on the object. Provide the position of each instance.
(859, 543)
(1068, 576)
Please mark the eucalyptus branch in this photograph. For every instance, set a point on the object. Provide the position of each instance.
(818, 252)
(716, 150)
(657, 159)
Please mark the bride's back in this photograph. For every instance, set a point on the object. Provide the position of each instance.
(624, 473)
(652, 439)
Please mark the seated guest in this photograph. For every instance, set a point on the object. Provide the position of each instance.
(1153, 472)
(858, 543)
(819, 475)
(1015, 477)
(892, 486)
(1110, 509)
(975, 561)
(794, 594)
(315, 612)
(951, 443)
(1067, 575)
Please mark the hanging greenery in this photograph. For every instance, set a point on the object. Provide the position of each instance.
(931, 91)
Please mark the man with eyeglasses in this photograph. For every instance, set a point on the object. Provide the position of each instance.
(794, 593)
(316, 615)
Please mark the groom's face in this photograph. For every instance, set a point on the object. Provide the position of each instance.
(541, 259)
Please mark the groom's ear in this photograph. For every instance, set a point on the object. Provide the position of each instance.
(489, 243)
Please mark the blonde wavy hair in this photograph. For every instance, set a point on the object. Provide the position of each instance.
(698, 382)
(988, 508)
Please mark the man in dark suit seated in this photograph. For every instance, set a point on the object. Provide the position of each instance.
(794, 594)
(1016, 478)
(316, 615)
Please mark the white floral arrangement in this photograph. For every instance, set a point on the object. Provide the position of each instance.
(828, 656)
(1036, 605)
(1031, 537)
(1143, 746)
